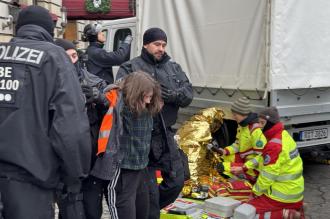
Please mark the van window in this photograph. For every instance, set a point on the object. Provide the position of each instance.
(120, 36)
(105, 32)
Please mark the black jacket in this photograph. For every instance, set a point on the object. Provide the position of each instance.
(100, 61)
(44, 130)
(95, 111)
(167, 73)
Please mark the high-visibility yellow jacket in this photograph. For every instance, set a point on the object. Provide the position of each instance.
(249, 143)
(281, 174)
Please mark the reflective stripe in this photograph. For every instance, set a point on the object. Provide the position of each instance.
(267, 215)
(284, 196)
(255, 162)
(276, 140)
(110, 111)
(288, 177)
(235, 148)
(242, 155)
(268, 175)
(280, 178)
(256, 187)
(294, 153)
(104, 134)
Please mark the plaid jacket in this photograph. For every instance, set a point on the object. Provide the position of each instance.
(136, 138)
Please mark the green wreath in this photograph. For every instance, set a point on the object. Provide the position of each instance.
(97, 6)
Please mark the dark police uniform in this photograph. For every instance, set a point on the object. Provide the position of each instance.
(100, 61)
(164, 154)
(44, 127)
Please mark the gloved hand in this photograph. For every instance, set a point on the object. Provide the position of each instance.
(214, 146)
(128, 39)
(99, 97)
(169, 96)
(88, 91)
(220, 168)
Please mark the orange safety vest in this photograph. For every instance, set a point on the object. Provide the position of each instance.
(104, 133)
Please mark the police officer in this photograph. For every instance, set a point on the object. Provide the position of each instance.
(99, 61)
(176, 92)
(96, 104)
(44, 127)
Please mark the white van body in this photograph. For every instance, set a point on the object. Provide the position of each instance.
(275, 52)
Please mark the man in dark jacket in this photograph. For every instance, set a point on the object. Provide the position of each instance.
(96, 104)
(176, 92)
(44, 127)
(99, 61)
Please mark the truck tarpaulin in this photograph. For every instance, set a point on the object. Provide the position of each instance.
(300, 44)
(219, 43)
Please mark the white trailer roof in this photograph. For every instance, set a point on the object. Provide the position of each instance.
(219, 43)
(300, 44)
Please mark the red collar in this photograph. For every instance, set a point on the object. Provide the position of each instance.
(277, 128)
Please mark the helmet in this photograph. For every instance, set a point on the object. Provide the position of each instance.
(90, 32)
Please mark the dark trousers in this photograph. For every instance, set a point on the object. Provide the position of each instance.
(132, 195)
(70, 200)
(165, 157)
(165, 193)
(93, 190)
(24, 200)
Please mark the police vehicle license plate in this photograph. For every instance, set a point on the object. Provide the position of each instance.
(314, 134)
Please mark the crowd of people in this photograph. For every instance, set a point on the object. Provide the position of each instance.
(71, 133)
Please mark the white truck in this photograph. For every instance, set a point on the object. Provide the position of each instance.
(275, 52)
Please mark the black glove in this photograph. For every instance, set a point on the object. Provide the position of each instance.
(128, 39)
(214, 146)
(99, 97)
(220, 168)
(88, 91)
(169, 96)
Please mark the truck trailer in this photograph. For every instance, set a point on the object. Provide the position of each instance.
(274, 52)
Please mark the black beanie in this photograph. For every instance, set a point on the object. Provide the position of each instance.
(65, 44)
(35, 15)
(270, 114)
(154, 34)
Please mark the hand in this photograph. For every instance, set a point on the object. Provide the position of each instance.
(211, 147)
(169, 96)
(236, 170)
(128, 39)
(88, 91)
(220, 151)
(99, 97)
(220, 168)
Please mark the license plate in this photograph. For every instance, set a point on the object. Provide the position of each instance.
(314, 134)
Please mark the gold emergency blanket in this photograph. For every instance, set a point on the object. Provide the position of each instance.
(193, 136)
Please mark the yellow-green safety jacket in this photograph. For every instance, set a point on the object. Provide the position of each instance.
(281, 173)
(249, 143)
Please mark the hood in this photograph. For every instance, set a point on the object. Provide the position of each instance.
(33, 32)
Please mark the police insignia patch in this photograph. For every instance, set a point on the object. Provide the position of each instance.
(259, 144)
(266, 159)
